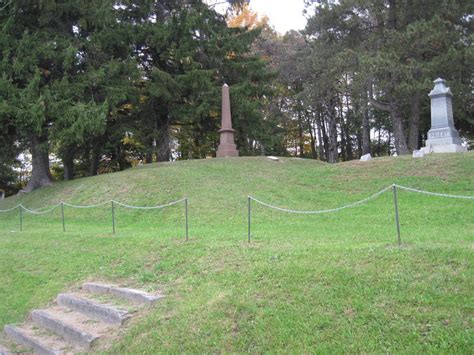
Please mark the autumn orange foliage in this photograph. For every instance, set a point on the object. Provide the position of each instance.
(244, 16)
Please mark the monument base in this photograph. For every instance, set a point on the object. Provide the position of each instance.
(227, 151)
(444, 148)
(227, 154)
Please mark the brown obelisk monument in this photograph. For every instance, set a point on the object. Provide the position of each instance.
(227, 146)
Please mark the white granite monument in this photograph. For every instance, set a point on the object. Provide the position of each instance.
(442, 137)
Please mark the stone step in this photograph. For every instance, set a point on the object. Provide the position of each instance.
(106, 313)
(39, 340)
(11, 347)
(128, 294)
(58, 325)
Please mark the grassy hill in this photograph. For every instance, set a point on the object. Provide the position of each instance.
(327, 283)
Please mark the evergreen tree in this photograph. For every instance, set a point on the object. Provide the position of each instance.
(62, 76)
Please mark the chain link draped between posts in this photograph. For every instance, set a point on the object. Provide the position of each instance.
(354, 204)
(51, 209)
(113, 203)
(10, 209)
(86, 206)
(321, 211)
(433, 193)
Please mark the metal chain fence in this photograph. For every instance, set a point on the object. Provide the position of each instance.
(393, 187)
(112, 203)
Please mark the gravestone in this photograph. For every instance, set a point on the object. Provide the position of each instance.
(227, 146)
(442, 137)
(366, 157)
(418, 154)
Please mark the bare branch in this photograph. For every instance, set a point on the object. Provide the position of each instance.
(378, 104)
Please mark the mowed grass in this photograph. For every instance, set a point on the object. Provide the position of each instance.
(307, 283)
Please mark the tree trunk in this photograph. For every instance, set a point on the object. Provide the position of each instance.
(332, 135)
(398, 129)
(95, 160)
(40, 176)
(121, 159)
(314, 154)
(164, 139)
(413, 137)
(389, 152)
(397, 121)
(300, 134)
(379, 143)
(392, 14)
(349, 151)
(320, 137)
(149, 157)
(325, 138)
(68, 163)
(365, 130)
(343, 144)
(344, 153)
(359, 144)
(150, 144)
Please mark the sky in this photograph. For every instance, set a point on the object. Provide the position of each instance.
(284, 15)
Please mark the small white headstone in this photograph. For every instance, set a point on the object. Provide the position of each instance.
(418, 154)
(2, 195)
(366, 157)
(273, 158)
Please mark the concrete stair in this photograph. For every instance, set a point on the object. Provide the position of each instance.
(60, 323)
(77, 321)
(39, 340)
(95, 310)
(127, 294)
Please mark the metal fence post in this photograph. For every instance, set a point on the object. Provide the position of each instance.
(186, 213)
(113, 218)
(62, 215)
(21, 218)
(397, 220)
(249, 217)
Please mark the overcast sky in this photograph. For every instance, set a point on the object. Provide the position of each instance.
(284, 15)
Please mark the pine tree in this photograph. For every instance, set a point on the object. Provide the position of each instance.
(62, 75)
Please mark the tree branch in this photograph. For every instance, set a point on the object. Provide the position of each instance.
(376, 103)
(380, 105)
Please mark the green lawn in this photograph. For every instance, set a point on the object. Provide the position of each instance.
(307, 283)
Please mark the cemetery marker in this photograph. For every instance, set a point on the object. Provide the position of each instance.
(443, 136)
(227, 147)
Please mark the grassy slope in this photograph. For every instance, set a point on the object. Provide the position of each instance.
(332, 282)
